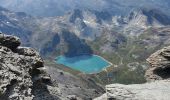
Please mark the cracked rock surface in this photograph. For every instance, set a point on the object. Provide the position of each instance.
(18, 69)
(158, 90)
(160, 65)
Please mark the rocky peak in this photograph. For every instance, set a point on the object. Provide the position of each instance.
(75, 15)
(151, 17)
(160, 65)
(156, 15)
(9, 41)
(18, 69)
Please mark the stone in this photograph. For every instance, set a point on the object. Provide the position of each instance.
(72, 97)
(158, 90)
(16, 63)
(9, 41)
(46, 79)
(37, 63)
(159, 65)
(27, 51)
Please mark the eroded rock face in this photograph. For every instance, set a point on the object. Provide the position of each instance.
(10, 42)
(17, 69)
(159, 65)
(158, 90)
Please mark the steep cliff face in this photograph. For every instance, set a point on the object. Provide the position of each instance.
(18, 69)
(160, 68)
(157, 88)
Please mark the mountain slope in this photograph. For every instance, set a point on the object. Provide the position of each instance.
(126, 41)
(32, 29)
(13, 23)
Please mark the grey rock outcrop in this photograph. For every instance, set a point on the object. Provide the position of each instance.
(18, 67)
(160, 65)
(10, 42)
(157, 88)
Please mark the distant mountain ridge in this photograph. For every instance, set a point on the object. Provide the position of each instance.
(61, 7)
(83, 25)
(124, 32)
(124, 40)
(12, 23)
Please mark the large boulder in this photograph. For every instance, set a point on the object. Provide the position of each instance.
(159, 90)
(27, 51)
(159, 65)
(37, 61)
(9, 41)
(18, 69)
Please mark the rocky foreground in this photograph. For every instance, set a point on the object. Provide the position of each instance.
(157, 88)
(19, 70)
(24, 77)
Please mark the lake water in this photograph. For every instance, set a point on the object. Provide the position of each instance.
(85, 63)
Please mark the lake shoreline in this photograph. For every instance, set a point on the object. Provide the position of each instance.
(103, 69)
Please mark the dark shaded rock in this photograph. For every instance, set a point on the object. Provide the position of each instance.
(76, 46)
(27, 51)
(72, 97)
(46, 79)
(76, 14)
(159, 65)
(51, 45)
(37, 63)
(61, 73)
(35, 72)
(9, 41)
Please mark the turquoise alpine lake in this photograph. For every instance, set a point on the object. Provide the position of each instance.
(85, 63)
